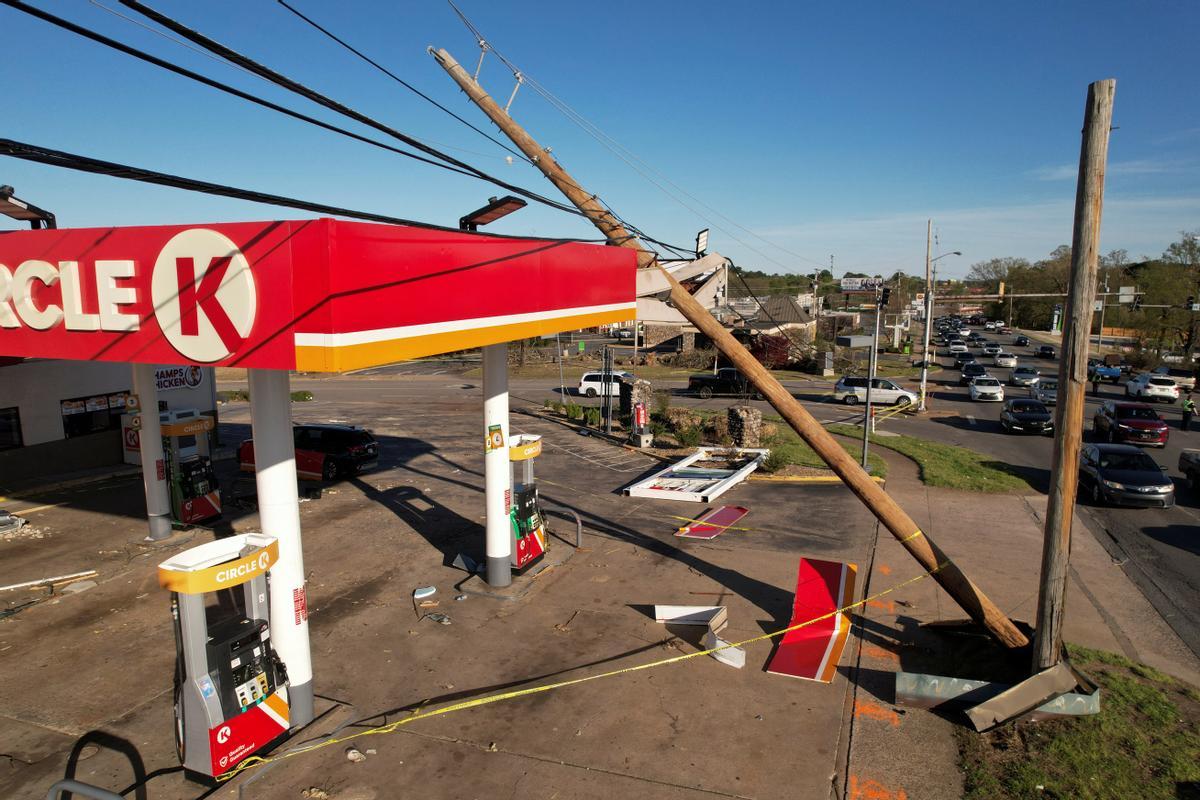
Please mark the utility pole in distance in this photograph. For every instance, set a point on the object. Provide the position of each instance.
(928, 312)
(1072, 374)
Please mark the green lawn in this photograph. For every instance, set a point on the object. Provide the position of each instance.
(1144, 743)
(788, 448)
(947, 465)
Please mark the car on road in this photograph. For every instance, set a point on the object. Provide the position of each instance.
(1123, 475)
(963, 358)
(591, 384)
(1024, 376)
(970, 372)
(852, 389)
(990, 349)
(1021, 341)
(1097, 369)
(324, 452)
(1044, 351)
(1189, 465)
(1148, 386)
(986, 389)
(1022, 415)
(625, 335)
(1003, 359)
(1045, 390)
(726, 381)
(1132, 423)
(957, 346)
(1182, 378)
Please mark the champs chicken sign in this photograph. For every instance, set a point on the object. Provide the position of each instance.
(319, 295)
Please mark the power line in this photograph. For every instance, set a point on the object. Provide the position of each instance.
(223, 87)
(407, 85)
(73, 161)
(398, 79)
(628, 156)
(295, 87)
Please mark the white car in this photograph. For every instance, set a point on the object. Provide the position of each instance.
(1003, 359)
(989, 325)
(592, 383)
(991, 349)
(957, 347)
(986, 388)
(1152, 387)
(1045, 390)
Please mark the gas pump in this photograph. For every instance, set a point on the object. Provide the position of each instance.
(195, 495)
(528, 524)
(230, 687)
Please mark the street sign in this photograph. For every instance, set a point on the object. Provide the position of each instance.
(855, 341)
(1098, 305)
(1126, 294)
(582, 345)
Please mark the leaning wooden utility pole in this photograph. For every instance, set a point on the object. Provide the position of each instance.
(902, 526)
(1072, 373)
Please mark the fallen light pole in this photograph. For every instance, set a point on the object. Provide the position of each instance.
(902, 526)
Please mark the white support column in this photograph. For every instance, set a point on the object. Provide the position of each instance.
(495, 465)
(279, 515)
(154, 468)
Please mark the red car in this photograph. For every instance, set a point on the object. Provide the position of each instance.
(324, 452)
(1131, 423)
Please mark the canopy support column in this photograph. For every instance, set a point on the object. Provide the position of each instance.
(495, 464)
(279, 515)
(154, 465)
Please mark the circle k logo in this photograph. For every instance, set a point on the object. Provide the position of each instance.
(204, 294)
(224, 734)
(264, 560)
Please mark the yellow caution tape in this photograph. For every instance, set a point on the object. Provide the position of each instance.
(913, 536)
(258, 761)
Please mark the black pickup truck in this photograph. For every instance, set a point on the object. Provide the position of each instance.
(727, 381)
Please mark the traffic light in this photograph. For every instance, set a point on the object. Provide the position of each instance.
(884, 295)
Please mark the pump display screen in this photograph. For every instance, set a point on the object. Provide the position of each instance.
(239, 653)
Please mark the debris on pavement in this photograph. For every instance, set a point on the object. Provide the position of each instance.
(441, 619)
(315, 793)
(823, 590)
(355, 755)
(701, 477)
(10, 522)
(715, 618)
(712, 523)
(51, 582)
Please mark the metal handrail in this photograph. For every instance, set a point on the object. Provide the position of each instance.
(572, 512)
(77, 787)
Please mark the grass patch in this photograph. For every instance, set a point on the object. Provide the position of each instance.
(948, 465)
(302, 396)
(1145, 743)
(788, 448)
(232, 395)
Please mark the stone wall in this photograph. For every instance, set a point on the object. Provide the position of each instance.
(745, 426)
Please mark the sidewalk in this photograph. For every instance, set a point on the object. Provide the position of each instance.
(997, 540)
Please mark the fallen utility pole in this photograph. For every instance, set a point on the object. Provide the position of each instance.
(902, 526)
(1072, 374)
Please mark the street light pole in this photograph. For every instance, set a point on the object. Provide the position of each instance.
(930, 284)
(871, 378)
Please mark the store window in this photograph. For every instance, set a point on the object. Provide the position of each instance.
(99, 412)
(10, 428)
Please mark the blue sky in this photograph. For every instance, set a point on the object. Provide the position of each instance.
(824, 128)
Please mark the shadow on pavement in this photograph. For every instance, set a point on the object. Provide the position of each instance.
(1181, 536)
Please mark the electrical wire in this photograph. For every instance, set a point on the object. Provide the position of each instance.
(223, 87)
(628, 156)
(314, 96)
(802, 346)
(397, 78)
(79, 163)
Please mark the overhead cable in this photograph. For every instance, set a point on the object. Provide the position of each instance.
(629, 157)
(397, 78)
(234, 57)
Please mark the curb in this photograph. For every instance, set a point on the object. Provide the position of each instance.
(811, 479)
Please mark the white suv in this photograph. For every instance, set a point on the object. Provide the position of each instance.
(852, 389)
(1152, 387)
(592, 383)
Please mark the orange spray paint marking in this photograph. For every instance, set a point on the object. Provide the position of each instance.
(883, 653)
(870, 710)
(886, 606)
(873, 790)
(884, 569)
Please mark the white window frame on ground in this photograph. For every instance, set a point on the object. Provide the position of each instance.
(681, 481)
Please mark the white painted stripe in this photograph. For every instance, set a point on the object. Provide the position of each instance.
(837, 624)
(412, 331)
(270, 712)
